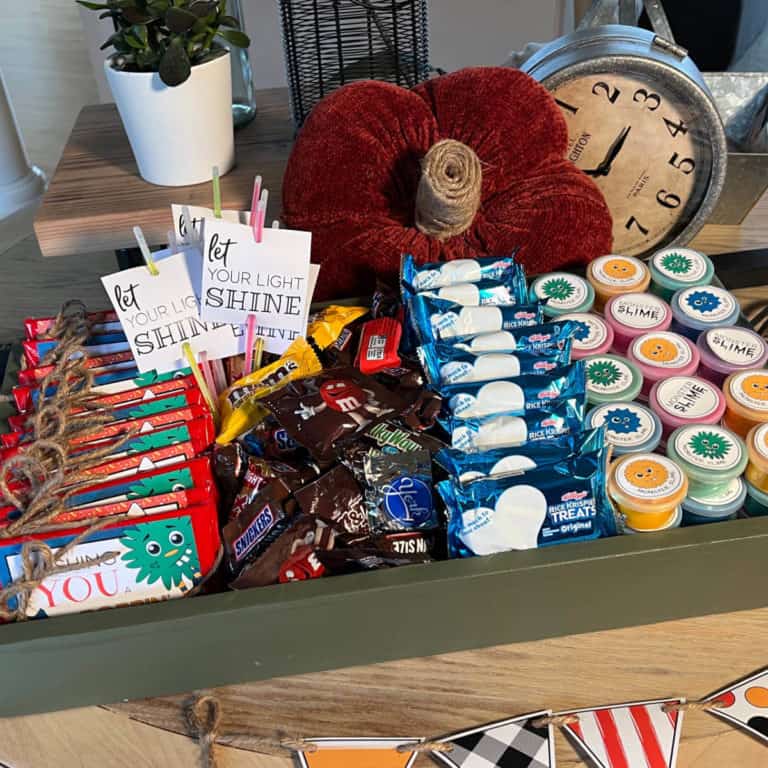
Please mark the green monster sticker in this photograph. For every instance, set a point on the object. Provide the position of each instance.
(676, 263)
(603, 373)
(710, 445)
(558, 289)
(168, 482)
(153, 377)
(163, 550)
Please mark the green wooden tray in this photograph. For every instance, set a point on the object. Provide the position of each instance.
(181, 645)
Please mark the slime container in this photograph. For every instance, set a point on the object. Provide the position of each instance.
(727, 350)
(746, 400)
(711, 456)
(700, 308)
(633, 314)
(614, 275)
(629, 427)
(563, 292)
(757, 447)
(673, 269)
(593, 335)
(683, 400)
(756, 502)
(674, 522)
(715, 507)
(647, 489)
(661, 354)
(611, 379)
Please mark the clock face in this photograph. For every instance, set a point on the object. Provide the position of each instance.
(642, 144)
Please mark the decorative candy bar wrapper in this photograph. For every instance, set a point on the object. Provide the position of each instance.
(158, 490)
(533, 338)
(505, 431)
(97, 346)
(156, 558)
(445, 365)
(441, 274)
(516, 396)
(229, 464)
(104, 363)
(398, 491)
(437, 319)
(379, 344)
(560, 503)
(240, 409)
(259, 472)
(337, 499)
(322, 411)
(104, 321)
(338, 562)
(270, 440)
(466, 467)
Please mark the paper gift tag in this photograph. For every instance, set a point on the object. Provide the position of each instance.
(159, 313)
(197, 214)
(269, 279)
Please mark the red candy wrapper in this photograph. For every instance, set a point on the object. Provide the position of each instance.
(379, 342)
(100, 322)
(30, 376)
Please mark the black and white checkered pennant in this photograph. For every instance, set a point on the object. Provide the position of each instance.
(513, 743)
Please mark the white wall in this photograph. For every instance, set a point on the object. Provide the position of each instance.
(462, 33)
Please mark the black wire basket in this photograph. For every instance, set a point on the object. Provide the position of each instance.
(329, 43)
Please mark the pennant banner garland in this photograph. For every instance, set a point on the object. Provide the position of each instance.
(358, 753)
(745, 704)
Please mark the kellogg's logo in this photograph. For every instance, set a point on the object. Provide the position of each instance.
(544, 366)
(539, 336)
(525, 315)
(574, 496)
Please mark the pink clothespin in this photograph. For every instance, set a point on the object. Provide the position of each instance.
(258, 216)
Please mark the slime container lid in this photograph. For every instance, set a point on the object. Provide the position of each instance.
(647, 482)
(564, 293)
(664, 352)
(705, 306)
(759, 498)
(629, 427)
(676, 268)
(746, 394)
(708, 454)
(757, 447)
(634, 313)
(683, 400)
(614, 274)
(593, 335)
(673, 522)
(726, 502)
(611, 378)
(731, 349)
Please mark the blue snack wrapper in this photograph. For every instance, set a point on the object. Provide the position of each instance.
(441, 274)
(532, 338)
(466, 467)
(505, 430)
(563, 502)
(516, 396)
(439, 320)
(445, 365)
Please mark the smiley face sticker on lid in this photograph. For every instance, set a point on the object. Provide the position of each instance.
(611, 378)
(629, 426)
(750, 389)
(563, 293)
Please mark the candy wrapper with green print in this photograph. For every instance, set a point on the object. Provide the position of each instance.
(148, 493)
(159, 557)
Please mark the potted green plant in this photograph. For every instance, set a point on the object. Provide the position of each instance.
(172, 84)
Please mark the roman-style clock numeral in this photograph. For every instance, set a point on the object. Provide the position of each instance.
(667, 199)
(632, 221)
(610, 93)
(651, 101)
(675, 128)
(684, 164)
(567, 107)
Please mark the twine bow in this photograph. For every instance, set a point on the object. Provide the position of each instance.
(448, 195)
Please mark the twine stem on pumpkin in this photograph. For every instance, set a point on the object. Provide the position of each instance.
(448, 195)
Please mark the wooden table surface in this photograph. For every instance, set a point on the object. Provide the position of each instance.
(96, 196)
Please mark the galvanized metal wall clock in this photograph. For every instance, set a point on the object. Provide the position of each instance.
(642, 124)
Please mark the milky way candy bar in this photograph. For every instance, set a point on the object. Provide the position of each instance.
(155, 558)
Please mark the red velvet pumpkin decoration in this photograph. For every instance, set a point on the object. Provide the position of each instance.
(361, 178)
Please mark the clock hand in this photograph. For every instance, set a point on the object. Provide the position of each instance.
(604, 168)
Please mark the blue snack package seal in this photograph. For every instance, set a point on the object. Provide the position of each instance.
(515, 396)
(560, 503)
(532, 338)
(505, 430)
(466, 467)
(444, 365)
(439, 320)
(441, 274)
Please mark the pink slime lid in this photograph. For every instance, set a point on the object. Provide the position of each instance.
(661, 354)
(633, 314)
(682, 400)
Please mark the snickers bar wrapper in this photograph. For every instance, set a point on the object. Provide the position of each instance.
(156, 558)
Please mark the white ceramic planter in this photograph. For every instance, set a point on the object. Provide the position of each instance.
(178, 134)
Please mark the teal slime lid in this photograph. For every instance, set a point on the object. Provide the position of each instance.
(756, 503)
(611, 379)
(675, 268)
(563, 293)
(717, 506)
(629, 427)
